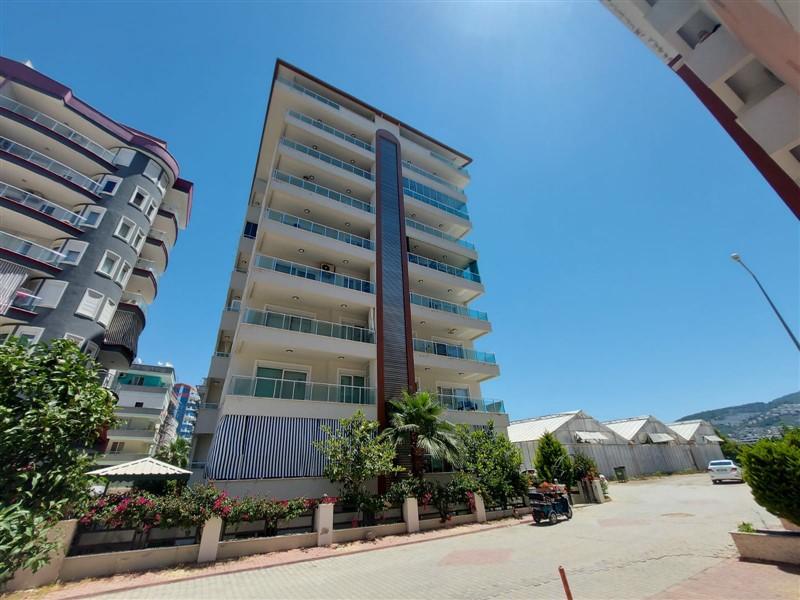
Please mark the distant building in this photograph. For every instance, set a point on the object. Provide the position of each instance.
(741, 61)
(188, 404)
(146, 413)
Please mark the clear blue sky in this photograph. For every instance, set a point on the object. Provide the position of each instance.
(606, 200)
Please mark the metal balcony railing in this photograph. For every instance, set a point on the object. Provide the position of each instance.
(58, 127)
(299, 270)
(21, 246)
(322, 191)
(332, 130)
(453, 351)
(443, 267)
(51, 165)
(39, 204)
(263, 387)
(311, 226)
(436, 304)
(438, 233)
(331, 160)
(306, 325)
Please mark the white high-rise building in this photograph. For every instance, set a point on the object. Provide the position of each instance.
(352, 282)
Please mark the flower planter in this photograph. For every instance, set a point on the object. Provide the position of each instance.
(769, 546)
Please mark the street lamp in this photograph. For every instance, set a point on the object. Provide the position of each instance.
(735, 256)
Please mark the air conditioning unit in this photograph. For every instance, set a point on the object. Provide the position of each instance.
(327, 267)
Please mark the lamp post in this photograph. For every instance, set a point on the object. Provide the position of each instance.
(739, 260)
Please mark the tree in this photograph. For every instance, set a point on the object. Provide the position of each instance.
(494, 462)
(52, 411)
(583, 466)
(177, 453)
(772, 469)
(552, 460)
(729, 448)
(355, 455)
(417, 423)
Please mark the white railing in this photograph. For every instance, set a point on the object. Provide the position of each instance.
(41, 205)
(21, 246)
(50, 164)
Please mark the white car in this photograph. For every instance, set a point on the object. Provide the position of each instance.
(722, 470)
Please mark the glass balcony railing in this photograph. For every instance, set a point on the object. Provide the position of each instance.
(331, 160)
(157, 234)
(453, 351)
(298, 270)
(25, 300)
(51, 165)
(330, 232)
(263, 387)
(135, 299)
(18, 245)
(306, 325)
(332, 130)
(322, 191)
(449, 163)
(471, 404)
(412, 167)
(149, 265)
(40, 204)
(58, 127)
(457, 309)
(444, 268)
(308, 92)
(440, 234)
(433, 198)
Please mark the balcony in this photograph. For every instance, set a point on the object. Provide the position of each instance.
(438, 233)
(322, 191)
(291, 268)
(443, 267)
(151, 266)
(25, 301)
(311, 326)
(332, 130)
(327, 158)
(308, 92)
(434, 198)
(49, 164)
(457, 309)
(449, 163)
(471, 404)
(40, 204)
(137, 300)
(262, 387)
(119, 457)
(433, 177)
(58, 127)
(12, 243)
(329, 232)
(131, 433)
(452, 351)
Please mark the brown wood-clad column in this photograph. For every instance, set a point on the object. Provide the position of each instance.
(393, 318)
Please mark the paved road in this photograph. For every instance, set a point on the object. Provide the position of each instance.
(653, 535)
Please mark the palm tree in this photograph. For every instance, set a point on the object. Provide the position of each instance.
(177, 453)
(417, 423)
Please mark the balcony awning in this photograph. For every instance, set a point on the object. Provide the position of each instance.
(713, 438)
(590, 436)
(660, 438)
(144, 468)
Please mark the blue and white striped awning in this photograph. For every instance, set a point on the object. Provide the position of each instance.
(257, 447)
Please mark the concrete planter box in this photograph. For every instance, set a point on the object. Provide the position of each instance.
(768, 546)
(341, 536)
(237, 548)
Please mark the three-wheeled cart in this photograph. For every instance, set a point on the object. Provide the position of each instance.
(549, 503)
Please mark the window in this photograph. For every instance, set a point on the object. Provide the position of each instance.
(109, 184)
(455, 398)
(50, 293)
(124, 157)
(90, 304)
(153, 171)
(138, 240)
(108, 264)
(138, 405)
(352, 389)
(73, 251)
(280, 383)
(162, 182)
(116, 447)
(150, 211)
(125, 229)
(107, 313)
(75, 338)
(139, 198)
(124, 274)
(92, 215)
(250, 229)
(29, 335)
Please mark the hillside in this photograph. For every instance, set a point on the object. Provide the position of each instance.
(753, 420)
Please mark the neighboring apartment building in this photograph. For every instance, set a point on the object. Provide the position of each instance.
(89, 211)
(186, 415)
(146, 413)
(352, 282)
(741, 61)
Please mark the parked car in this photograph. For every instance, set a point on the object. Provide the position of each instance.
(724, 470)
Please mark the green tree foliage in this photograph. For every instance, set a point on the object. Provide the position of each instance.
(355, 455)
(52, 410)
(552, 460)
(583, 466)
(494, 462)
(417, 423)
(772, 469)
(176, 453)
(729, 448)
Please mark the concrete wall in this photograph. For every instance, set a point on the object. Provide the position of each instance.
(111, 563)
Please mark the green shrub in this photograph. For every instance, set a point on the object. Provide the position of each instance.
(583, 467)
(745, 527)
(552, 461)
(772, 469)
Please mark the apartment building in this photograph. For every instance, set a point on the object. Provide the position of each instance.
(741, 61)
(352, 281)
(188, 403)
(89, 212)
(146, 412)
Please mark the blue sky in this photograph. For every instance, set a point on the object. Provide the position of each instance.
(606, 200)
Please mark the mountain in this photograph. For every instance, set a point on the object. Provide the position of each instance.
(755, 420)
